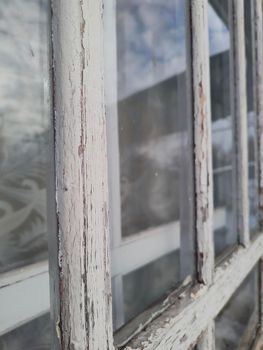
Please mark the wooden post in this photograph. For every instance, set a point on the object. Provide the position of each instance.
(81, 289)
(239, 113)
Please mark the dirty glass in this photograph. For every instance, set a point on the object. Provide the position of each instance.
(236, 325)
(222, 128)
(34, 335)
(24, 132)
(252, 121)
(154, 153)
(25, 135)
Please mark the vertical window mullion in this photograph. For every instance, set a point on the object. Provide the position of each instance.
(113, 154)
(239, 113)
(81, 293)
(207, 341)
(201, 111)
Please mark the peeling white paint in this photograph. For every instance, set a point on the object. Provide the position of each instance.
(84, 292)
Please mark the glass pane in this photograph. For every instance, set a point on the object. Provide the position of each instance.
(25, 138)
(222, 137)
(151, 110)
(34, 335)
(154, 152)
(24, 132)
(237, 323)
(252, 122)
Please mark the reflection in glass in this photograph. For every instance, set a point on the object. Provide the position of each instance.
(222, 136)
(34, 335)
(24, 129)
(154, 280)
(252, 122)
(151, 106)
(154, 152)
(24, 161)
(236, 324)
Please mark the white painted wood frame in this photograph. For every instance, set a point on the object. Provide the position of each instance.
(81, 294)
(180, 326)
(24, 295)
(80, 280)
(239, 115)
(201, 106)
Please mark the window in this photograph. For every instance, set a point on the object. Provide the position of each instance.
(236, 324)
(223, 152)
(155, 235)
(151, 195)
(25, 159)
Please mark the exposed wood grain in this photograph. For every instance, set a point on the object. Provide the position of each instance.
(258, 8)
(207, 339)
(84, 292)
(179, 328)
(201, 109)
(258, 101)
(239, 113)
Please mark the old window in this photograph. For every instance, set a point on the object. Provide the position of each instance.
(156, 242)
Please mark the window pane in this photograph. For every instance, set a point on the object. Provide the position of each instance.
(252, 122)
(151, 110)
(25, 136)
(24, 132)
(34, 335)
(222, 137)
(154, 155)
(236, 325)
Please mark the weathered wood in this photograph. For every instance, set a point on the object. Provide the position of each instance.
(239, 113)
(180, 326)
(207, 339)
(250, 332)
(258, 102)
(258, 8)
(83, 291)
(201, 108)
(258, 344)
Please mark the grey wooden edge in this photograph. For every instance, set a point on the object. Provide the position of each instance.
(239, 114)
(258, 6)
(258, 342)
(197, 21)
(258, 84)
(180, 326)
(198, 12)
(82, 290)
(207, 338)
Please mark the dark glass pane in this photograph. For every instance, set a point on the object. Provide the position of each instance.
(222, 135)
(34, 335)
(252, 122)
(155, 153)
(236, 325)
(154, 279)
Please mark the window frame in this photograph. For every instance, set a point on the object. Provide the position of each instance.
(80, 270)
